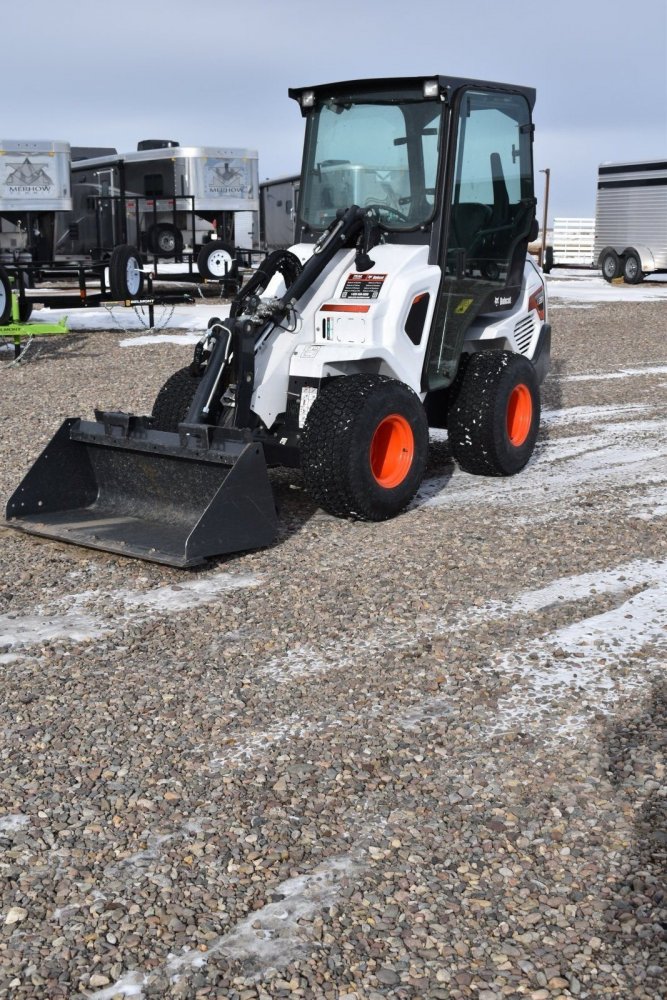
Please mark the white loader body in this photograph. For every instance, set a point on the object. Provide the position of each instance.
(339, 335)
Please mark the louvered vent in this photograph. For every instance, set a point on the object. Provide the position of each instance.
(523, 332)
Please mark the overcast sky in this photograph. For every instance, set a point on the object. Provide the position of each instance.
(216, 72)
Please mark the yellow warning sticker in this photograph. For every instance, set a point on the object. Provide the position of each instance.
(463, 306)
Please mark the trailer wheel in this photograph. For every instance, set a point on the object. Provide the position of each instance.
(494, 417)
(174, 399)
(632, 269)
(364, 447)
(611, 265)
(165, 240)
(5, 298)
(126, 279)
(25, 310)
(217, 260)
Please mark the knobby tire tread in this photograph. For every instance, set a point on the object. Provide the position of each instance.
(173, 400)
(329, 439)
(475, 434)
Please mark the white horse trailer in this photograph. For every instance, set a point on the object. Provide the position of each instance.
(34, 185)
(631, 220)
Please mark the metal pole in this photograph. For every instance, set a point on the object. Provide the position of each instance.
(547, 175)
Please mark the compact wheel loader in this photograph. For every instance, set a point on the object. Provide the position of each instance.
(408, 301)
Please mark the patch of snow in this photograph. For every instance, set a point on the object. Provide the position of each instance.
(6, 658)
(584, 585)
(31, 630)
(590, 286)
(651, 505)
(591, 414)
(189, 593)
(293, 727)
(277, 933)
(611, 376)
(142, 859)
(179, 317)
(129, 985)
(585, 657)
(13, 823)
(302, 661)
(77, 625)
(161, 338)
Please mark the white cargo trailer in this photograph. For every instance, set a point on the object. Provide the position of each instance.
(34, 185)
(631, 220)
(162, 198)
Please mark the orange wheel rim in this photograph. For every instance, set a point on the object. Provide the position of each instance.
(519, 414)
(392, 451)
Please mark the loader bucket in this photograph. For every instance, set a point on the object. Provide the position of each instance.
(118, 485)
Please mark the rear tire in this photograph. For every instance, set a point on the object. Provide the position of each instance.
(611, 265)
(126, 279)
(632, 269)
(165, 240)
(174, 399)
(494, 418)
(364, 447)
(5, 298)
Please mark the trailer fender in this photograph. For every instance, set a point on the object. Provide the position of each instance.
(645, 255)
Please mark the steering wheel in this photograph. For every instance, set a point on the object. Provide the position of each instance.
(387, 208)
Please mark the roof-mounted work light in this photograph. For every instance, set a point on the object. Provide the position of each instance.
(307, 98)
(431, 88)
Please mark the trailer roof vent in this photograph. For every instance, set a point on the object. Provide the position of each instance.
(156, 144)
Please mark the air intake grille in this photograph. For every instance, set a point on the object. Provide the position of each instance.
(523, 332)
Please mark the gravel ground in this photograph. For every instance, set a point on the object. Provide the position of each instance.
(420, 759)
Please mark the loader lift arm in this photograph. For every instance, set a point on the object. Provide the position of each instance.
(234, 340)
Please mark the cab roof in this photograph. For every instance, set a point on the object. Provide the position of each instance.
(386, 86)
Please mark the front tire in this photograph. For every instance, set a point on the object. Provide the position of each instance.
(494, 418)
(632, 269)
(364, 447)
(174, 400)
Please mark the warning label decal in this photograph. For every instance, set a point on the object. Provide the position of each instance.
(363, 286)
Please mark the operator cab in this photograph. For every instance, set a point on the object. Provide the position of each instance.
(441, 161)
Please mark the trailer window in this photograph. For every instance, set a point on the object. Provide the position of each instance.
(372, 154)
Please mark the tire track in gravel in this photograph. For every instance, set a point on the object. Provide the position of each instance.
(563, 468)
(273, 936)
(550, 664)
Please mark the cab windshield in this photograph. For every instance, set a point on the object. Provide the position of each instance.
(372, 154)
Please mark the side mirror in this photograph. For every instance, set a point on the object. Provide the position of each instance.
(534, 231)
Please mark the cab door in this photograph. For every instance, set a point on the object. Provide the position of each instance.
(489, 216)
